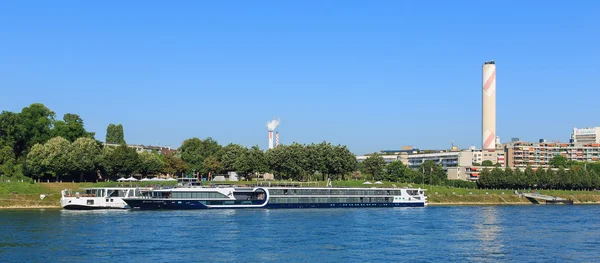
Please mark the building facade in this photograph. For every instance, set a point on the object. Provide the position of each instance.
(446, 159)
(145, 148)
(586, 135)
(523, 154)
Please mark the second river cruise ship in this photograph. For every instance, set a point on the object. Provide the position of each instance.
(277, 197)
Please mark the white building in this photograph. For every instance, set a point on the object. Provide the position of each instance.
(586, 135)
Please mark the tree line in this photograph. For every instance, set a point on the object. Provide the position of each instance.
(562, 175)
(36, 144)
(287, 162)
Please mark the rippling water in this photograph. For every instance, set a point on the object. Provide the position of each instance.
(432, 234)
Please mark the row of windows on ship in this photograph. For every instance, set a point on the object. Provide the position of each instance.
(334, 192)
(305, 200)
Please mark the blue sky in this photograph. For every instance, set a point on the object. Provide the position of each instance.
(368, 74)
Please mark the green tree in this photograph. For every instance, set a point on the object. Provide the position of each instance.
(577, 179)
(84, 156)
(487, 163)
(543, 179)
(519, 179)
(497, 177)
(595, 179)
(530, 178)
(433, 173)
(230, 154)
(558, 161)
(115, 134)
(509, 179)
(58, 161)
(13, 132)
(398, 172)
(288, 161)
(563, 178)
(174, 165)
(71, 128)
(37, 120)
(212, 165)
(150, 163)
(318, 156)
(8, 164)
(342, 161)
(484, 180)
(6, 153)
(36, 161)
(194, 151)
(259, 161)
(552, 179)
(252, 162)
(374, 165)
(23, 130)
(122, 161)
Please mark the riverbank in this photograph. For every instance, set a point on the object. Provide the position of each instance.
(27, 195)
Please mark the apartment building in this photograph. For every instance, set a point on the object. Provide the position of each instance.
(444, 158)
(145, 148)
(522, 154)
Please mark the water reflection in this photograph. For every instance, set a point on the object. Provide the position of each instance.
(487, 232)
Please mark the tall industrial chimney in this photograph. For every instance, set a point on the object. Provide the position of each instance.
(488, 114)
(277, 139)
(271, 125)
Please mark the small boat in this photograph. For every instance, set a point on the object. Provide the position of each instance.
(98, 198)
(276, 197)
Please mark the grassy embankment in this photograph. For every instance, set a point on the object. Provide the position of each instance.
(28, 195)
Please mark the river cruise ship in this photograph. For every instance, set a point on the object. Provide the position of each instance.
(277, 197)
(98, 198)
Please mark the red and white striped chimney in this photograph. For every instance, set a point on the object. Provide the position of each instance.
(277, 139)
(270, 139)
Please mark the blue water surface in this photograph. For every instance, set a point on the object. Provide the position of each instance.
(432, 234)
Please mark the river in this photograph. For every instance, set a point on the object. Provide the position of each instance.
(542, 233)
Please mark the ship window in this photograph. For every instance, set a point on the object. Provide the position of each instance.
(276, 191)
(90, 202)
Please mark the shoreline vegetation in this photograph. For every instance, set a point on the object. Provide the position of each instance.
(25, 195)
